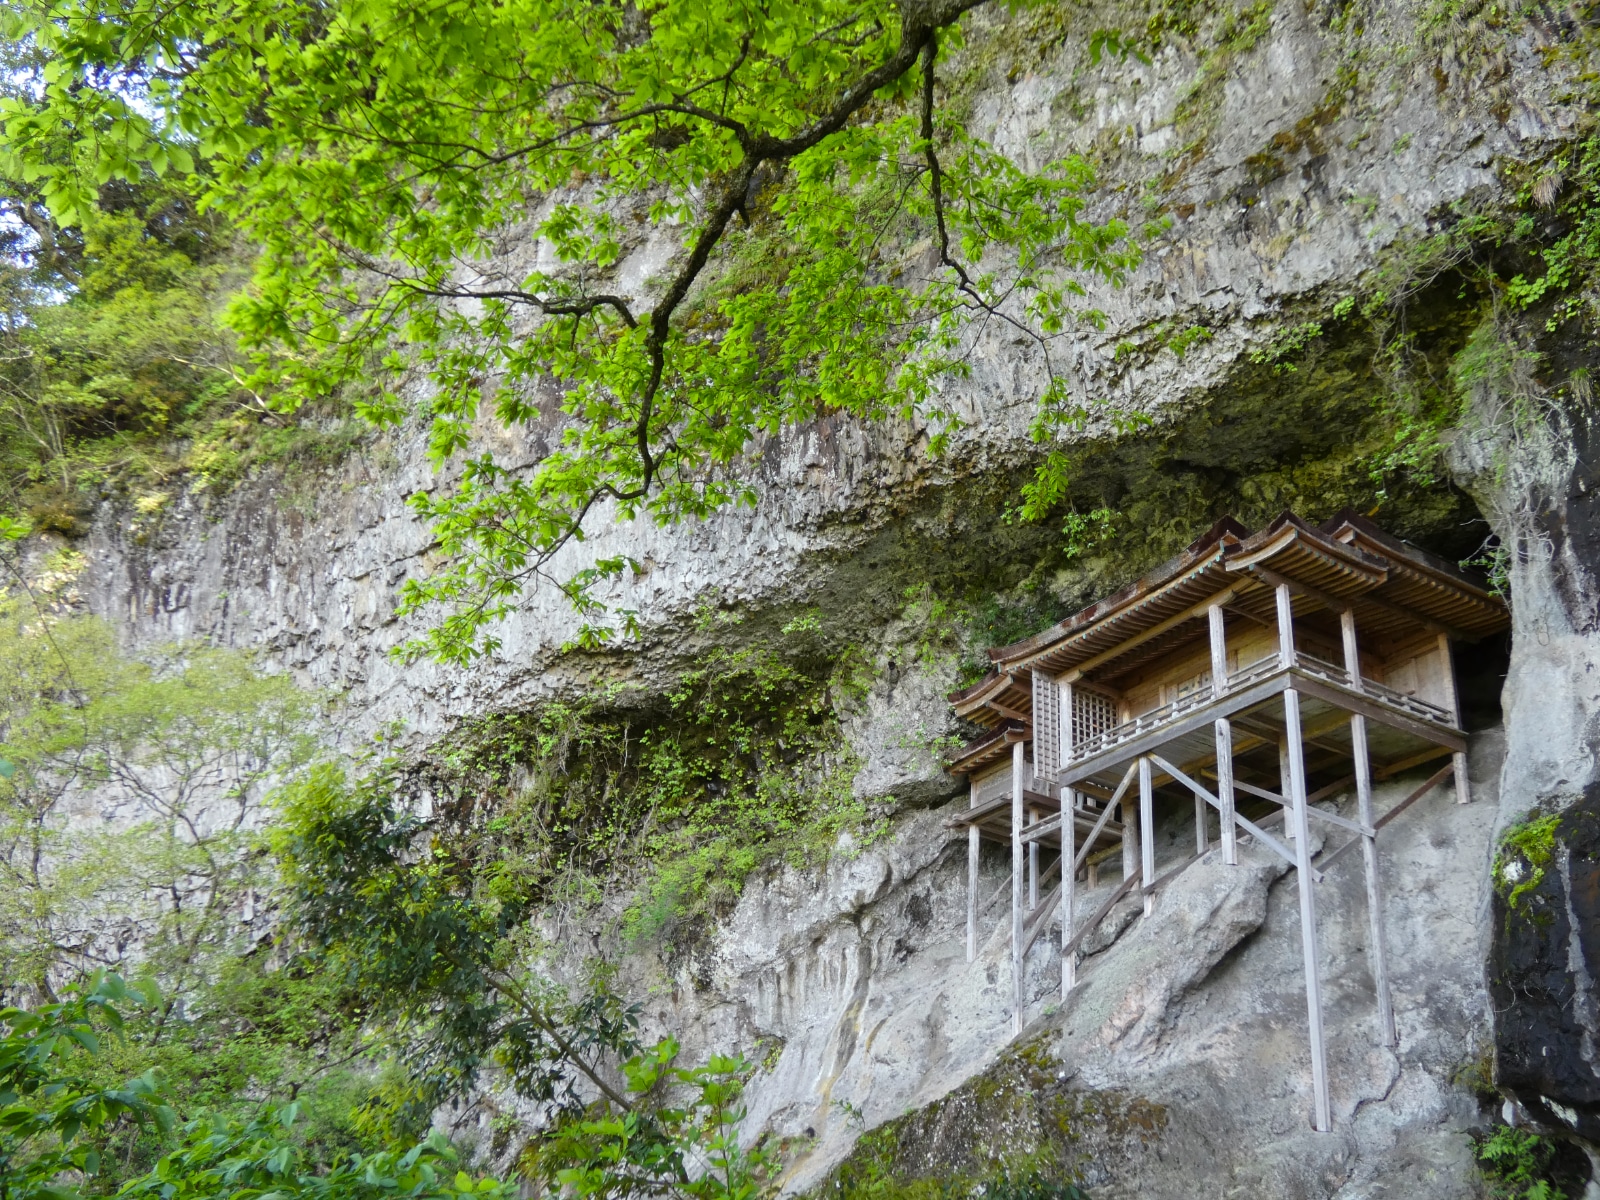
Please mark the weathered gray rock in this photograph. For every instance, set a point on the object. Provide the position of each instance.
(1543, 970)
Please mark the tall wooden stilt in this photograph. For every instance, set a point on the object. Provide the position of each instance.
(1069, 887)
(1369, 842)
(1323, 1121)
(1224, 733)
(973, 839)
(1033, 864)
(1147, 843)
(1018, 766)
(1130, 836)
(1463, 786)
(1283, 780)
(1369, 859)
(1230, 836)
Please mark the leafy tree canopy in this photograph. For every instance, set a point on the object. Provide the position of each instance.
(452, 200)
(50, 1110)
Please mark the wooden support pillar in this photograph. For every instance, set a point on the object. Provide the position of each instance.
(1323, 1120)
(1130, 837)
(1019, 766)
(1069, 887)
(1283, 780)
(1064, 724)
(1369, 842)
(1217, 622)
(1147, 843)
(1219, 651)
(1447, 660)
(1287, 660)
(1033, 864)
(1369, 858)
(1230, 836)
(973, 840)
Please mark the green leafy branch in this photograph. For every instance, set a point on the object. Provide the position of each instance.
(837, 242)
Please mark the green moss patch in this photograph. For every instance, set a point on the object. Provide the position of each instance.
(1525, 851)
(1018, 1130)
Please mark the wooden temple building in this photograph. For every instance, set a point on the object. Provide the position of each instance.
(1255, 673)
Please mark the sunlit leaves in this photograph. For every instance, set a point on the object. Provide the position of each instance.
(51, 1113)
(453, 202)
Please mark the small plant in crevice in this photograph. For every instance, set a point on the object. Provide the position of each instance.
(1493, 558)
(1030, 1184)
(1517, 1163)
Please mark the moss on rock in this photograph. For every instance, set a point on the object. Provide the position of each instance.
(1019, 1128)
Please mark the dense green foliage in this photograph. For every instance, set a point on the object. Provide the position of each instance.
(116, 376)
(461, 997)
(1516, 1163)
(59, 1127)
(834, 238)
(180, 748)
(258, 1158)
(309, 1052)
(51, 1111)
(742, 762)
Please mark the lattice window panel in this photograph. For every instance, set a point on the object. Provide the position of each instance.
(1046, 726)
(1092, 714)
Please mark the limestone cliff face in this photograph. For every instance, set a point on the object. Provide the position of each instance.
(1293, 164)
(1544, 956)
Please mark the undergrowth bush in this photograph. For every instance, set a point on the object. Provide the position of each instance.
(1516, 1162)
(741, 763)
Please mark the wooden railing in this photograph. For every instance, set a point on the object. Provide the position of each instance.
(1317, 668)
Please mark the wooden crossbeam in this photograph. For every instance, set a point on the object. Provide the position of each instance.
(1100, 915)
(1432, 782)
(1320, 814)
(1245, 823)
(1375, 710)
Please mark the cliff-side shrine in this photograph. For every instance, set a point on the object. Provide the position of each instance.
(1256, 672)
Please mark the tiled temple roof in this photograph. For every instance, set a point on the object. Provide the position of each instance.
(1395, 589)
